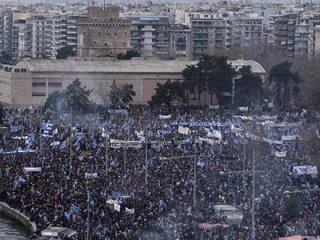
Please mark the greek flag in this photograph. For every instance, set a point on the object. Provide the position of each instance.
(90, 198)
(116, 195)
(74, 209)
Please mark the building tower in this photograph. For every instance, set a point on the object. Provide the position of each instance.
(102, 33)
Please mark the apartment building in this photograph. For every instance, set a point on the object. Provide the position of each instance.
(212, 32)
(150, 35)
(246, 31)
(284, 33)
(179, 42)
(6, 32)
(208, 36)
(295, 34)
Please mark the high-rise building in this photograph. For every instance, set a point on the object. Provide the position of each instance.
(284, 33)
(150, 35)
(179, 42)
(246, 31)
(208, 36)
(102, 33)
(6, 32)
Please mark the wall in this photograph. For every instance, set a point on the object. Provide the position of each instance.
(15, 214)
(5, 82)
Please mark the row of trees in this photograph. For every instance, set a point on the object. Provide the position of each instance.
(76, 97)
(212, 75)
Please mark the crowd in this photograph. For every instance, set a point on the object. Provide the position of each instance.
(144, 176)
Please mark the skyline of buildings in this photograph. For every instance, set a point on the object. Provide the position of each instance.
(39, 31)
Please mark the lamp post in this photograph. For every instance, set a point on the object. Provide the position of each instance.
(107, 153)
(253, 236)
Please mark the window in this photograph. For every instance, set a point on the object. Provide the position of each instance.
(38, 84)
(38, 94)
(17, 70)
(55, 84)
(23, 70)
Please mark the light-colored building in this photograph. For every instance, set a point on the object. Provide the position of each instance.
(6, 32)
(179, 42)
(150, 35)
(208, 36)
(246, 31)
(30, 81)
(102, 33)
(314, 42)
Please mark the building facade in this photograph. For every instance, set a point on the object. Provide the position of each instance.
(31, 81)
(102, 33)
(150, 35)
(179, 42)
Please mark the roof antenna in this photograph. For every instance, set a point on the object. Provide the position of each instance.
(104, 4)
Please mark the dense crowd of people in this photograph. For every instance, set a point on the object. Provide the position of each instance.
(144, 176)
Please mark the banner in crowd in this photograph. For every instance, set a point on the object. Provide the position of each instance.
(283, 124)
(209, 140)
(267, 118)
(243, 109)
(214, 106)
(289, 138)
(183, 130)
(16, 151)
(300, 170)
(281, 154)
(275, 142)
(117, 207)
(164, 117)
(90, 175)
(32, 169)
(20, 137)
(130, 211)
(118, 111)
(115, 143)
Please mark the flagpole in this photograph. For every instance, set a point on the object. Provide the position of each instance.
(107, 154)
(253, 192)
(70, 151)
(88, 216)
(146, 163)
(195, 178)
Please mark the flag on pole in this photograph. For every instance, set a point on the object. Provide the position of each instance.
(117, 207)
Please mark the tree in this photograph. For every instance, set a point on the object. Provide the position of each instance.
(130, 54)
(121, 95)
(284, 84)
(65, 52)
(53, 100)
(6, 58)
(195, 77)
(2, 112)
(127, 93)
(212, 74)
(77, 97)
(220, 81)
(248, 88)
(167, 93)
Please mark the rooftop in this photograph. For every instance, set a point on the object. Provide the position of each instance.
(124, 66)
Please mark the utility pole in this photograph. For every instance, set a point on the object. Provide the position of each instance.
(70, 151)
(88, 216)
(244, 156)
(107, 154)
(146, 163)
(195, 176)
(125, 160)
(253, 234)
